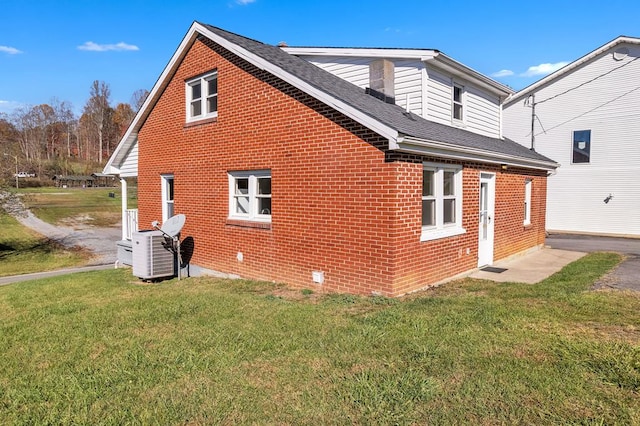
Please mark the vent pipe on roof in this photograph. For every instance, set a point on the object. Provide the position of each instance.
(381, 80)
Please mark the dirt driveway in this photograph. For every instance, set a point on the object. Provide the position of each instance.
(626, 276)
(100, 241)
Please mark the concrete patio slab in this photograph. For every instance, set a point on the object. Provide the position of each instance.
(530, 268)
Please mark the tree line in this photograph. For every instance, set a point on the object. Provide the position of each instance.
(47, 138)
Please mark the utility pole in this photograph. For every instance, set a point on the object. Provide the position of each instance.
(533, 121)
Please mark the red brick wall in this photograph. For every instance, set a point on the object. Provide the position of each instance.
(338, 205)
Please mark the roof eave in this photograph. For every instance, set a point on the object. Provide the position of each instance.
(125, 144)
(571, 66)
(414, 145)
(366, 120)
(420, 54)
(131, 135)
(442, 61)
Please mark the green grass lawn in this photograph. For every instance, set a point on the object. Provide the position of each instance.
(103, 348)
(66, 206)
(23, 251)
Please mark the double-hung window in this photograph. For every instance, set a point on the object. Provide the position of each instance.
(458, 102)
(250, 195)
(527, 201)
(441, 201)
(202, 97)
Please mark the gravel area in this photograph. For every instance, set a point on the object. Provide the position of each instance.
(100, 241)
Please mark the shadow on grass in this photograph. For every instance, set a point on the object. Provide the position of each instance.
(45, 246)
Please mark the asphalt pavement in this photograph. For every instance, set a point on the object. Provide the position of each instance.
(625, 276)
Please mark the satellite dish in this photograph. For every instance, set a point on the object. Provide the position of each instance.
(173, 225)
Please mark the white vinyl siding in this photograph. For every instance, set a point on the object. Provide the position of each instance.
(482, 112)
(407, 77)
(129, 166)
(354, 70)
(592, 97)
(439, 97)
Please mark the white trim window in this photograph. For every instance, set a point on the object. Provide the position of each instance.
(457, 102)
(527, 201)
(202, 97)
(250, 195)
(441, 201)
(167, 196)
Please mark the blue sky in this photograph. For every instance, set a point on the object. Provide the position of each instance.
(58, 48)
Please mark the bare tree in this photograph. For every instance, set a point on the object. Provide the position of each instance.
(97, 111)
(138, 98)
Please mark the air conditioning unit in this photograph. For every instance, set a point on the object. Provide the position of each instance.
(151, 259)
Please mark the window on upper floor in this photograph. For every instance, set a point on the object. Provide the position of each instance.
(202, 97)
(458, 102)
(527, 201)
(250, 195)
(581, 147)
(441, 201)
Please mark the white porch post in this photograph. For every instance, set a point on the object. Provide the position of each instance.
(125, 223)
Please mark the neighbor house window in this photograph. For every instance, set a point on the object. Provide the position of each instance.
(458, 102)
(202, 97)
(167, 196)
(441, 201)
(527, 201)
(250, 195)
(581, 146)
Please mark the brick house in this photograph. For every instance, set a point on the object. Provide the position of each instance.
(289, 173)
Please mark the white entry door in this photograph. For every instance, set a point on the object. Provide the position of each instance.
(487, 210)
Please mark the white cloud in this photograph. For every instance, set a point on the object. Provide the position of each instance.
(95, 47)
(543, 69)
(9, 50)
(245, 2)
(8, 106)
(502, 73)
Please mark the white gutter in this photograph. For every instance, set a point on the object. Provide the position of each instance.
(454, 152)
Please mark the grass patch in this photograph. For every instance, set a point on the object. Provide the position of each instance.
(102, 348)
(69, 206)
(23, 251)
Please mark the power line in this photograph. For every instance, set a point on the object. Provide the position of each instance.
(591, 110)
(589, 81)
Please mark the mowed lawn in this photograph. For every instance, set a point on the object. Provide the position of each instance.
(104, 348)
(23, 251)
(69, 206)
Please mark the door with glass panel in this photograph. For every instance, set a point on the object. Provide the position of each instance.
(487, 211)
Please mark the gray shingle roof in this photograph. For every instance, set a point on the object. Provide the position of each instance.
(391, 115)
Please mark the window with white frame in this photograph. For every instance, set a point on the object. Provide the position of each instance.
(250, 195)
(527, 201)
(441, 201)
(167, 196)
(202, 97)
(458, 102)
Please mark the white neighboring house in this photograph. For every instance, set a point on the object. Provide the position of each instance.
(425, 82)
(587, 118)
